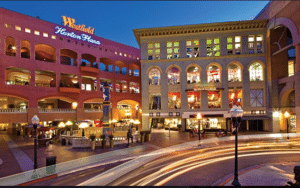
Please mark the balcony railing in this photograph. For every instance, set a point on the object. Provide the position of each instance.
(13, 110)
(93, 110)
(60, 110)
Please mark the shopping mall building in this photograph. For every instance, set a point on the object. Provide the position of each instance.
(57, 71)
(207, 68)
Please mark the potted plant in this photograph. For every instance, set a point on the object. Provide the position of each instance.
(93, 142)
(111, 141)
(103, 141)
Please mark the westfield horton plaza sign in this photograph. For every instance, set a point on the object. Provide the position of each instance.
(84, 37)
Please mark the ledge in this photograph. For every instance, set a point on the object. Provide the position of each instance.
(89, 69)
(69, 90)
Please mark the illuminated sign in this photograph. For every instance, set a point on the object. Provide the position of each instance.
(83, 37)
(204, 88)
(71, 23)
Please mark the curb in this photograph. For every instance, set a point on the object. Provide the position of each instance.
(38, 180)
(242, 172)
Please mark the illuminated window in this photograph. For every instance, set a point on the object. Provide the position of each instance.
(256, 72)
(174, 100)
(291, 67)
(7, 25)
(213, 74)
(214, 99)
(153, 50)
(192, 48)
(125, 55)
(36, 32)
(155, 102)
(88, 83)
(172, 50)
(53, 37)
(255, 44)
(173, 76)
(45, 34)
(137, 58)
(154, 76)
(194, 100)
(256, 98)
(120, 54)
(134, 87)
(18, 28)
(213, 47)
(234, 45)
(121, 86)
(116, 53)
(235, 97)
(234, 73)
(193, 75)
(27, 30)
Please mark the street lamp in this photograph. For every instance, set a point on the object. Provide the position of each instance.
(236, 116)
(287, 115)
(35, 121)
(199, 117)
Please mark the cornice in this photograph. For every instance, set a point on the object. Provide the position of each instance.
(202, 58)
(199, 28)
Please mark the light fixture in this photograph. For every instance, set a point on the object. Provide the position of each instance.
(74, 105)
(276, 114)
(286, 114)
(69, 123)
(61, 124)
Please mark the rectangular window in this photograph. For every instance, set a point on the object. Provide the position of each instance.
(174, 100)
(213, 47)
(36, 32)
(7, 25)
(214, 99)
(153, 50)
(234, 45)
(234, 97)
(53, 37)
(229, 46)
(255, 44)
(194, 99)
(18, 28)
(155, 102)
(45, 34)
(27, 30)
(172, 50)
(192, 48)
(256, 98)
(291, 67)
(237, 45)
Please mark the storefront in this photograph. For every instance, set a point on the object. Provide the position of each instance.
(206, 123)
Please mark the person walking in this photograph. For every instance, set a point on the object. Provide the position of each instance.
(129, 136)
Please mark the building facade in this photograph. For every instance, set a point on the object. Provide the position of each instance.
(283, 63)
(58, 71)
(204, 68)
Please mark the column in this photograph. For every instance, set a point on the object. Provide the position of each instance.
(163, 50)
(183, 93)
(246, 87)
(182, 49)
(202, 48)
(223, 46)
(164, 90)
(224, 80)
(57, 79)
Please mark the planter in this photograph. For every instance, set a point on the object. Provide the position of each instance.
(93, 144)
(103, 144)
(111, 143)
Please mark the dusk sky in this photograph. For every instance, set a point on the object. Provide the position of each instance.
(115, 20)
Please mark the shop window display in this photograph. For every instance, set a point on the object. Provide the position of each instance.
(194, 100)
(155, 102)
(193, 75)
(234, 73)
(174, 101)
(154, 76)
(172, 123)
(256, 72)
(235, 97)
(173, 76)
(213, 74)
(214, 99)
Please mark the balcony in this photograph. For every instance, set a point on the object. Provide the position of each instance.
(69, 90)
(89, 69)
(13, 110)
(59, 110)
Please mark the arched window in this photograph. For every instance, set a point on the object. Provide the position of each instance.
(234, 73)
(193, 75)
(25, 49)
(136, 72)
(256, 72)
(213, 74)
(85, 62)
(124, 71)
(95, 65)
(44, 52)
(154, 76)
(102, 66)
(11, 48)
(110, 68)
(117, 69)
(173, 76)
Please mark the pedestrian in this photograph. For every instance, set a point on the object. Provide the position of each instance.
(129, 136)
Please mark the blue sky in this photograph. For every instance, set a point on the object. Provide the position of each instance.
(115, 20)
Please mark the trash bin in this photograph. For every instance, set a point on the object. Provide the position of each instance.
(63, 142)
(50, 164)
(147, 136)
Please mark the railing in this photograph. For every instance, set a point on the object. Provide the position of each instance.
(57, 110)
(93, 110)
(13, 110)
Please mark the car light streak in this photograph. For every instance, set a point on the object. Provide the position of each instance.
(199, 164)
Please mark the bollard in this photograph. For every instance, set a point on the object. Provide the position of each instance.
(50, 164)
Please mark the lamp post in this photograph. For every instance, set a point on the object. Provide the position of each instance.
(199, 117)
(35, 121)
(287, 115)
(236, 116)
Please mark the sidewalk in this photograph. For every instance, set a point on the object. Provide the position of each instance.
(277, 174)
